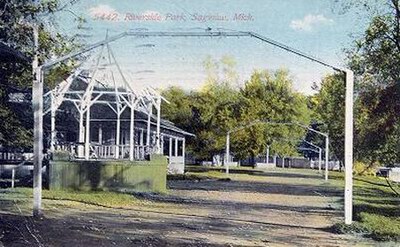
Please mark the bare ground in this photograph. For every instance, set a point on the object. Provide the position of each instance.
(256, 208)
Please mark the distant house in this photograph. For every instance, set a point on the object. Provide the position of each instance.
(392, 173)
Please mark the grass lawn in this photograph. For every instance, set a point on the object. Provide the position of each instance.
(98, 198)
(376, 209)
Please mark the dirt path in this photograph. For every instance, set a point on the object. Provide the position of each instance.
(274, 208)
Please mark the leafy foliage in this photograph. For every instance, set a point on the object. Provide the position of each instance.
(328, 105)
(270, 97)
(222, 106)
(376, 61)
(16, 18)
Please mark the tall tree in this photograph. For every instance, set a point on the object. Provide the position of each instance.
(328, 105)
(270, 97)
(376, 62)
(210, 112)
(221, 106)
(16, 76)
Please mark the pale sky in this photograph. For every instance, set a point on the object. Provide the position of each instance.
(316, 27)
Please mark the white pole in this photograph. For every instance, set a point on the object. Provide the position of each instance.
(275, 159)
(118, 134)
(52, 124)
(326, 157)
(149, 113)
(162, 144)
(227, 153)
(170, 148)
(283, 162)
(132, 131)
(348, 149)
(12, 178)
(81, 134)
(183, 150)
(158, 147)
(37, 105)
(176, 147)
(319, 159)
(100, 135)
(87, 133)
(267, 154)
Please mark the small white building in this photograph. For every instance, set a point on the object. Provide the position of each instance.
(392, 173)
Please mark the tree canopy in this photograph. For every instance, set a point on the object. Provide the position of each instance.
(222, 105)
(16, 32)
(375, 60)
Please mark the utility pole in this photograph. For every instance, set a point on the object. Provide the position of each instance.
(37, 105)
(348, 149)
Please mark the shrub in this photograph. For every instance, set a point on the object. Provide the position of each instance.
(364, 169)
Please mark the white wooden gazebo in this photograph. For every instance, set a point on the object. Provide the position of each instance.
(104, 86)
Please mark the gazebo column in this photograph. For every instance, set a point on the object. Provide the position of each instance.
(150, 112)
(100, 134)
(162, 144)
(141, 142)
(81, 135)
(183, 149)
(158, 145)
(52, 124)
(132, 131)
(87, 139)
(170, 147)
(117, 136)
(176, 147)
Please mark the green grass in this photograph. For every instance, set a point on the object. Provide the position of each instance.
(98, 198)
(376, 208)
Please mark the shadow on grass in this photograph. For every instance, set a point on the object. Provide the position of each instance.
(371, 182)
(256, 187)
(377, 210)
(289, 175)
(232, 170)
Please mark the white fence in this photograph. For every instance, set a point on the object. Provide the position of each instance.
(332, 165)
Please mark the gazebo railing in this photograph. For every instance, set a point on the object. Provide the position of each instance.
(11, 155)
(106, 151)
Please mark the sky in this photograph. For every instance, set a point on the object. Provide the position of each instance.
(317, 27)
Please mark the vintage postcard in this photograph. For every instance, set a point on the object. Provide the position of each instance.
(199, 123)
